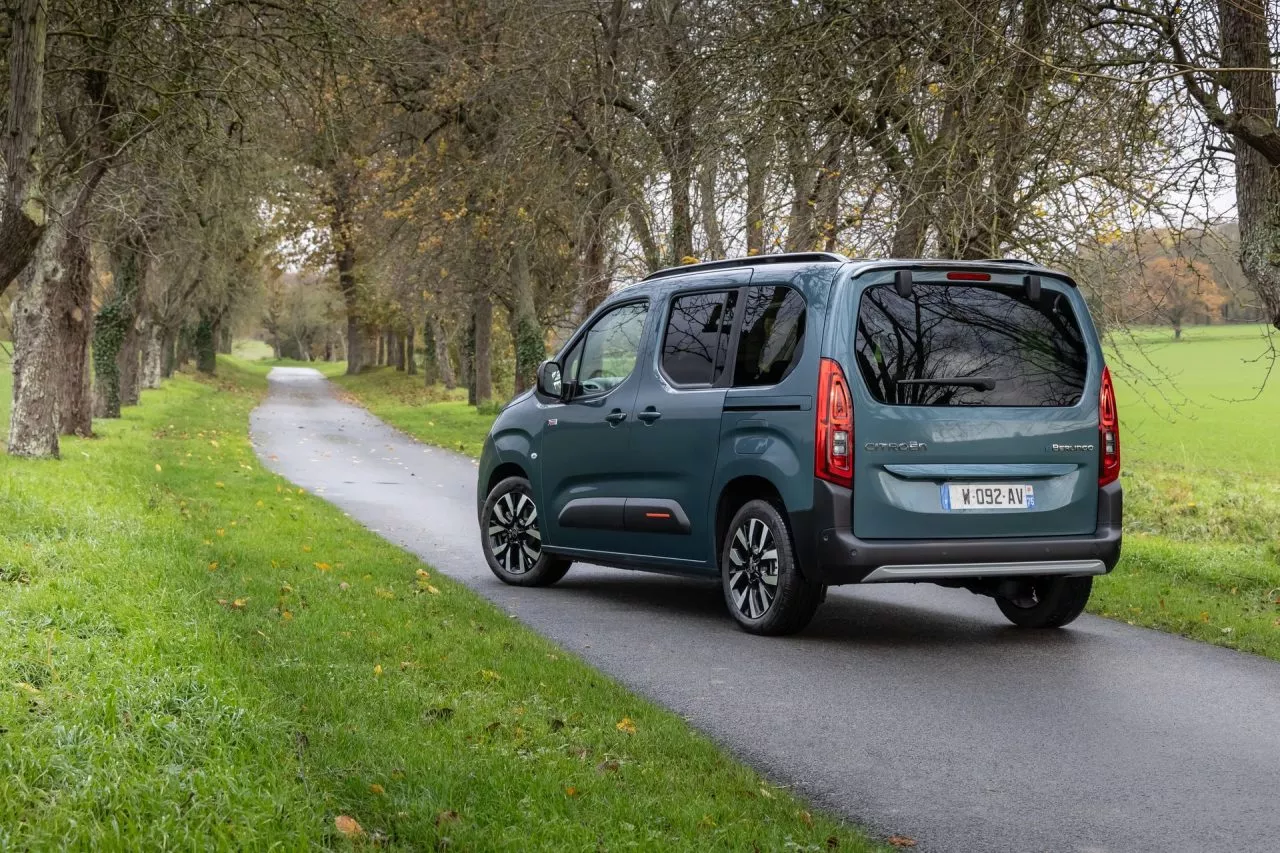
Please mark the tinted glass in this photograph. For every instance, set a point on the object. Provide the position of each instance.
(772, 335)
(696, 342)
(1034, 353)
(610, 348)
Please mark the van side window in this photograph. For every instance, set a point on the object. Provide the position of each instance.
(772, 337)
(696, 344)
(608, 351)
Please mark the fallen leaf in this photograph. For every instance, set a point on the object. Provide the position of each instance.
(213, 443)
(27, 688)
(707, 822)
(610, 766)
(806, 818)
(213, 565)
(158, 468)
(287, 615)
(764, 792)
(219, 484)
(431, 589)
(902, 841)
(348, 826)
(344, 586)
(1204, 615)
(239, 603)
(375, 788)
(259, 504)
(449, 816)
(377, 670)
(324, 567)
(385, 594)
(625, 725)
(221, 531)
(422, 573)
(570, 791)
(306, 548)
(490, 675)
(833, 843)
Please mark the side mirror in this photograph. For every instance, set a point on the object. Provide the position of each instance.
(550, 382)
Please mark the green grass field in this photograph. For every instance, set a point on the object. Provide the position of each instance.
(1201, 477)
(196, 655)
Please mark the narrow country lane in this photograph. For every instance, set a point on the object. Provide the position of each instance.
(912, 710)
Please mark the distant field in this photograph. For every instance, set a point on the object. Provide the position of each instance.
(1205, 402)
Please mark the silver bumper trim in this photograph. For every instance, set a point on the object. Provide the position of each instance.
(939, 571)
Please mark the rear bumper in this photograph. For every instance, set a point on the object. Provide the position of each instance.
(833, 555)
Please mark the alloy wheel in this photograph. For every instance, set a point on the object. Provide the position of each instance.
(514, 539)
(753, 568)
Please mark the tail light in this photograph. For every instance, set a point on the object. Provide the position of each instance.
(833, 439)
(1108, 433)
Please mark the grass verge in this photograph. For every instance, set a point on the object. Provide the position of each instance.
(1202, 550)
(197, 655)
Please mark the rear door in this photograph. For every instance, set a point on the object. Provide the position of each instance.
(975, 408)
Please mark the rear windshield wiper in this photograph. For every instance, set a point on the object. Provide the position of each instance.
(981, 383)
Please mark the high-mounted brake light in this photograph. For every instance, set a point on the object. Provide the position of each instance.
(833, 438)
(1108, 432)
(968, 276)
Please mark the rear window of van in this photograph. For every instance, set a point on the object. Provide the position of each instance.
(949, 345)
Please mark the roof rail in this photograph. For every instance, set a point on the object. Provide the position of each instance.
(1023, 261)
(751, 261)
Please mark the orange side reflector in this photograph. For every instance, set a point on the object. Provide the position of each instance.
(657, 515)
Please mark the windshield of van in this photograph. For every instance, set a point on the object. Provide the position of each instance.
(948, 345)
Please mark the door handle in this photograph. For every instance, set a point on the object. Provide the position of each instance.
(649, 415)
(616, 417)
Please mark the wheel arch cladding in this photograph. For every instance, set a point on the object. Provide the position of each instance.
(734, 495)
(502, 472)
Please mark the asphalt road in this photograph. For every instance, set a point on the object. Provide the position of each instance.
(909, 709)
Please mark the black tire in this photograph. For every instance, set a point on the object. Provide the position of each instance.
(511, 535)
(1047, 602)
(749, 576)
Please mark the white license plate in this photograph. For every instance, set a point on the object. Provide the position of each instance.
(961, 496)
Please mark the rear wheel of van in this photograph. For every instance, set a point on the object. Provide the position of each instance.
(1047, 602)
(512, 537)
(763, 587)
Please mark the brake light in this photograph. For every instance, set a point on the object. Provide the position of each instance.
(833, 439)
(1108, 432)
(968, 276)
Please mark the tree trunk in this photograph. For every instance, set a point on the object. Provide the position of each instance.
(23, 218)
(152, 355)
(206, 345)
(73, 325)
(343, 235)
(130, 359)
(707, 206)
(443, 363)
(1246, 44)
(225, 339)
(170, 356)
(757, 158)
(595, 278)
(526, 331)
(37, 361)
(410, 359)
(467, 359)
(800, 220)
(112, 326)
(482, 360)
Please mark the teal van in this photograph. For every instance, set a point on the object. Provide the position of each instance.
(788, 422)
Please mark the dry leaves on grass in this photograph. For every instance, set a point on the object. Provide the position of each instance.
(625, 725)
(348, 826)
(902, 841)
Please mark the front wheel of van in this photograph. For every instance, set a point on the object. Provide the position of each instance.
(512, 536)
(763, 587)
(1046, 602)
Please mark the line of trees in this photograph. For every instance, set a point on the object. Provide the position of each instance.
(467, 178)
